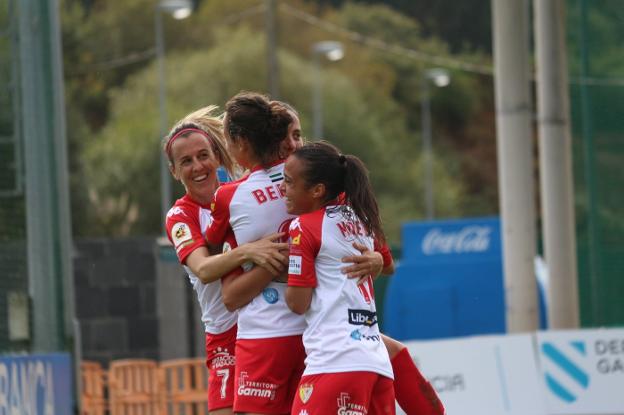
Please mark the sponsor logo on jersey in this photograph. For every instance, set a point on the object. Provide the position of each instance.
(303, 412)
(222, 358)
(270, 295)
(295, 225)
(345, 407)
(359, 336)
(181, 234)
(294, 264)
(176, 210)
(305, 391)
(255, 389)
(362, 317)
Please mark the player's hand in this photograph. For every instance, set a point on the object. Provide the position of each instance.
(368, 263)
(268, 253)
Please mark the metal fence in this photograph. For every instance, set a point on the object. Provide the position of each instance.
(35, 267)
(597, 96)
(13, 268)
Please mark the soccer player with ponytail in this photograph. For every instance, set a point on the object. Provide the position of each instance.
(347, 365)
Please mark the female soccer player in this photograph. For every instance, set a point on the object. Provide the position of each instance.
(413, 392)
(348, 369)
(195, 149)
(269, 350)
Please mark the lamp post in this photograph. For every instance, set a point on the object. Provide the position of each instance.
(332, 51)
(440, 78)
(179, 9)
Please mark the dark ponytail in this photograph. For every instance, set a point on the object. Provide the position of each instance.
(264, 124)
(323, 163)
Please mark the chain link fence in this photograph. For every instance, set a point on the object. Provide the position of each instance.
(597, 96)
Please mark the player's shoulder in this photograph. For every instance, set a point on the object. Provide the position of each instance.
(185, 207)
(226, 190)
(225, 193)
(182, 220)
(310, 220)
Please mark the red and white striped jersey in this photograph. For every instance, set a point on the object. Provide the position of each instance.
(342, 334)
(186, 224)
(253, 207)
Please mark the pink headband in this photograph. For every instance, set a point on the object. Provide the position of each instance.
(181, 133)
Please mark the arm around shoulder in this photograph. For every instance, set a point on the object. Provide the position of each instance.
(238, 290)
(209, 268)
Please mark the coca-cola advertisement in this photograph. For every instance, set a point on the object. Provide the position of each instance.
(467, 239)
(454, 237)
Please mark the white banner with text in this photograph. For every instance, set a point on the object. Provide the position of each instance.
(575, 372)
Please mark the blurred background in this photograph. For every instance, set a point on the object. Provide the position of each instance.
(90, 86)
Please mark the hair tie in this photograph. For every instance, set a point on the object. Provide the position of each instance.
(186, 131)
(342, 159)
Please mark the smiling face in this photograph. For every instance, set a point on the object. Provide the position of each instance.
(195, 165)
(293, 140)
(300, 197)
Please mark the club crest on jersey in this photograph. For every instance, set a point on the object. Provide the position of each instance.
(270, 295)
(305, 391)
(180, 233)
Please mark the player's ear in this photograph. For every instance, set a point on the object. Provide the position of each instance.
(318, 191)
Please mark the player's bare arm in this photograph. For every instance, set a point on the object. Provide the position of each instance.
(238, 290)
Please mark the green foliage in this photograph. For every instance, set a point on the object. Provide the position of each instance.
(121, 163)
(464, 25)
(371, 104)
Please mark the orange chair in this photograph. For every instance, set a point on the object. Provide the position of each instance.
(133, 387)
(93, 398)
(185, 385)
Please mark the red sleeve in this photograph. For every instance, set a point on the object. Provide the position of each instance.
(220, 207)
(184, 230)
(305, 242)
(385, 252)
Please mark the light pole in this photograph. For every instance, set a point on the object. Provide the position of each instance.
(332, 51)
(440, 78)
(179, 9)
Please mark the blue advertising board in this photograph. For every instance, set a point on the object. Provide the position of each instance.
(449, 281)
(36, 385)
